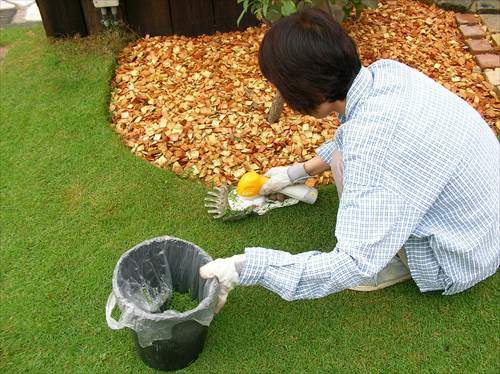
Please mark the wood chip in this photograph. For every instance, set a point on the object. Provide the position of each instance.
(199, 105)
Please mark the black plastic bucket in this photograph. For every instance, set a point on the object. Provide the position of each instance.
(143, 282)
(187, 342)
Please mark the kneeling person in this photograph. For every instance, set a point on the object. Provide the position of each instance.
(417, 170)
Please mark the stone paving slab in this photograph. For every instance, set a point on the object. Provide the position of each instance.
(486, 57)
(493, 76)
(488, 61)
(491, 21)
(466, 19)
(496, 39)
(485, 6)
(472, 32)
(475, 6)
(478, 46)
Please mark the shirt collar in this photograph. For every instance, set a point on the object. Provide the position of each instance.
(360, 86)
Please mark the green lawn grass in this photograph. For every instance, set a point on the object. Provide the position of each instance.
(73, 199)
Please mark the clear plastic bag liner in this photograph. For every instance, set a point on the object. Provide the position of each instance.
(144, 279)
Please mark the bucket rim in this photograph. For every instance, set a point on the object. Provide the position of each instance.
(208, 301)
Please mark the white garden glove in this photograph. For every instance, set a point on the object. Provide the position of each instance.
(283, 176)
(227, 271)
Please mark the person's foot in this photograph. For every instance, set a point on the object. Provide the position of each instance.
(395, 272)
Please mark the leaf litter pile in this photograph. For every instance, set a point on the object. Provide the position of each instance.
(198, 106)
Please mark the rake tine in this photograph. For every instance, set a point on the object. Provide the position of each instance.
(211, 199)
(216, 201)
(213, 193)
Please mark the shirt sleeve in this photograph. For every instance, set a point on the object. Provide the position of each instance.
(325, 151)
(372, 225)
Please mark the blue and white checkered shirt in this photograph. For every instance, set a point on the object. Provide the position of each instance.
(421, 169)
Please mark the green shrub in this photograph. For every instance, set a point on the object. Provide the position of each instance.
(270, 11)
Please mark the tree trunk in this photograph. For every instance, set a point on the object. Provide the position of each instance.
(276, 108)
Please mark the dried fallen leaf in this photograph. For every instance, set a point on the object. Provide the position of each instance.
(199, 105)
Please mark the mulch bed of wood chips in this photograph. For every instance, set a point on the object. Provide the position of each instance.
(198, 105)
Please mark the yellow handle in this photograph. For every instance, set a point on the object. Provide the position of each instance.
(250, 184)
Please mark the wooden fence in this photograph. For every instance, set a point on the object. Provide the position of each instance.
(153, 17)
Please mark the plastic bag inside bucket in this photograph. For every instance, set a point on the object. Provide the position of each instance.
(143, 282)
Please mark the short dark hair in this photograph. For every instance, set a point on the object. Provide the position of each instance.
(309, 58)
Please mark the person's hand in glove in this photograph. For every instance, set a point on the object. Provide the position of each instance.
(283, 176)
(227, 271)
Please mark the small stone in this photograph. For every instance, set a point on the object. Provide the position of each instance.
(485, 6)
(478, 46)
(493, 76)
(466, 19)
(491, 21)
(371, 4)
(472, 32)
(488, 61)
(496, 39)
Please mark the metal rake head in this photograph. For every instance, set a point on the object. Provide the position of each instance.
(217, 204)
(216, 201)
